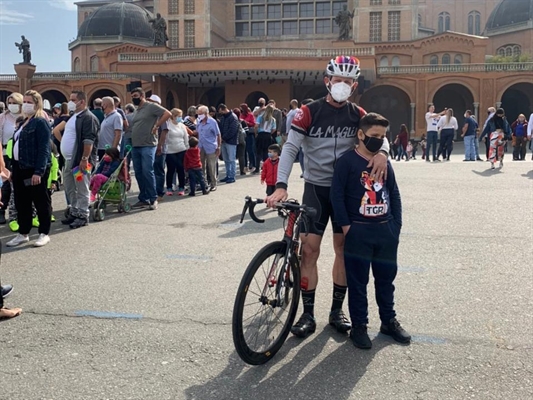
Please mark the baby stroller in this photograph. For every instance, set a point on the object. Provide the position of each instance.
(114, 191)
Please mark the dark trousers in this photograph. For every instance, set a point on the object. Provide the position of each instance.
(262, 141)
(241, 151)
(371, 245)
(519, 151)
(270, 189)
(6, 188)
(159, 172)
(487, 146)
(446, 143)
(250, 150)
(27, 196)
(196, 176)
(431, 142)
(175, 166)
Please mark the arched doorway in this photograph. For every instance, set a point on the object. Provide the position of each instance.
(518, 99)
(457, 97)
(54, 96)
(3, 95)
(213, 97)
(391, 102)
(170, 103)
(254, 97)
(100, 94)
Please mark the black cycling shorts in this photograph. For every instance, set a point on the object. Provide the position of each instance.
(318, 197)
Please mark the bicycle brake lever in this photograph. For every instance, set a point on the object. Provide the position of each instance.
(245, 208)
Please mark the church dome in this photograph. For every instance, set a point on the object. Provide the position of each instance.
(117, 19)
(510, 12)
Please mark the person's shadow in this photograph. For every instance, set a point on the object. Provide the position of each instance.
(488, 172)
(344, 366)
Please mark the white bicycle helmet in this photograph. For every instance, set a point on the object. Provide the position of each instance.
(347, 67)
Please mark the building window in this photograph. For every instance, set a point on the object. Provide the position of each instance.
(173, 33)
(173, 6)
(375, 26)
(375, 2)
(444, 22)
(323, 26)
(384, 61)
(419, 20)
(189, 7)
(446, 59)
(190, 34)
(394, 2)
(458, 59)
(287, 17)
(76, 67)
(474, 23)
(517, 51)
(395, 61)
(94, 64)
(501, 52)
(510, 50)
(394, 26)
(258, 29)
(434, 60)
(274, 28)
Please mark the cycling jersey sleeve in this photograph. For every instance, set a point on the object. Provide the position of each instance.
(297, 133)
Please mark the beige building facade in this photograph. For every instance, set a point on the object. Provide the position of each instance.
(412, 52)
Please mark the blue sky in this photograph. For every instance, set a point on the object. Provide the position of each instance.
(49, 25)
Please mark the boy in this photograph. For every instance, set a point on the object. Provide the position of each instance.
(193, 166)
(269, 173)
(370, 212)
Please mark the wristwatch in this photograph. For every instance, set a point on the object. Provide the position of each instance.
(85, 158)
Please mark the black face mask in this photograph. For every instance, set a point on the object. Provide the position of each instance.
(136, 101)
(373, 144)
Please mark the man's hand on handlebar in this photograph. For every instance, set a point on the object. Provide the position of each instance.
(278, 196)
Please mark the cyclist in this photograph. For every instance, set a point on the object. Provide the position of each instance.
(326, 129)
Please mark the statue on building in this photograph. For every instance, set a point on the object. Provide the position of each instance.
(24, 48)
(343, 20)
(159, 25)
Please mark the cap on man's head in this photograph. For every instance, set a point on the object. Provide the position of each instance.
(155, 98)
(57, 105)
(222, 106)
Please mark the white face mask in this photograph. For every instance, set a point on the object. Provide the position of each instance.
(28, 109)
(14, 108)
(201, 117)
(71, 106)
(340, 91)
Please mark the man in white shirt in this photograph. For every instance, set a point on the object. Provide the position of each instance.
(432, 135)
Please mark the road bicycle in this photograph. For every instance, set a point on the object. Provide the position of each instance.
(267, 299)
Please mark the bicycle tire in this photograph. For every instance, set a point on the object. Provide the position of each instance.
(248, 354)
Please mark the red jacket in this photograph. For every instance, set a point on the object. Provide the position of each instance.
(269, 174)
(249, 119)
(192, 159)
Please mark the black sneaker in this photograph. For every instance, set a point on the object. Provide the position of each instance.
(339, 321)
(69, 220)
(79, 222)
(141, 204)
(305, 326)
(205, 192)
(359, 336)
(395, 330)
(6, 290)
(3, 218)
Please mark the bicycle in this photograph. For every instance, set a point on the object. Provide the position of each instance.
(274, 290)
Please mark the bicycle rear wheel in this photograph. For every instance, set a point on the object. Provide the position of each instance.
(266, 304)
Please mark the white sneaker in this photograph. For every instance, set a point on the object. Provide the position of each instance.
(18, 240)
(501, 163)
(153, 206)
(43, 239)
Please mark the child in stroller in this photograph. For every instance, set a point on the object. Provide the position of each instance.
(109, 164)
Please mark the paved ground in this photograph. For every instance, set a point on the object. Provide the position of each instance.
(139, 306)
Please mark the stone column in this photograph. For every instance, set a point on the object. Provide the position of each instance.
(413, 131)
(25, 73)
(476, 111)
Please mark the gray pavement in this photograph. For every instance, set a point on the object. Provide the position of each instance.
(139, 306)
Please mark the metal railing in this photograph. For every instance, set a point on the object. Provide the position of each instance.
(78, 76)
(242, 53)
(455, 68)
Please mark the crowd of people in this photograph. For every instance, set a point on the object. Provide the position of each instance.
(173, 154)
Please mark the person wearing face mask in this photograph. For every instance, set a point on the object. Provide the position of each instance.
(369, 210)
(519, 128)
(7, 129)
(326, 129)
(79, 146)
(177, 145)
(260, 108)
(111, 127)
(31, 168)
(498, 131)
(209, 143)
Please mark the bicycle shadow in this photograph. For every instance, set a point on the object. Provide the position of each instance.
(249, 226)
(346, 364)
(528, 175)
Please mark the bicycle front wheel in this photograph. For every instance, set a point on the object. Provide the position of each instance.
(266, 304)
